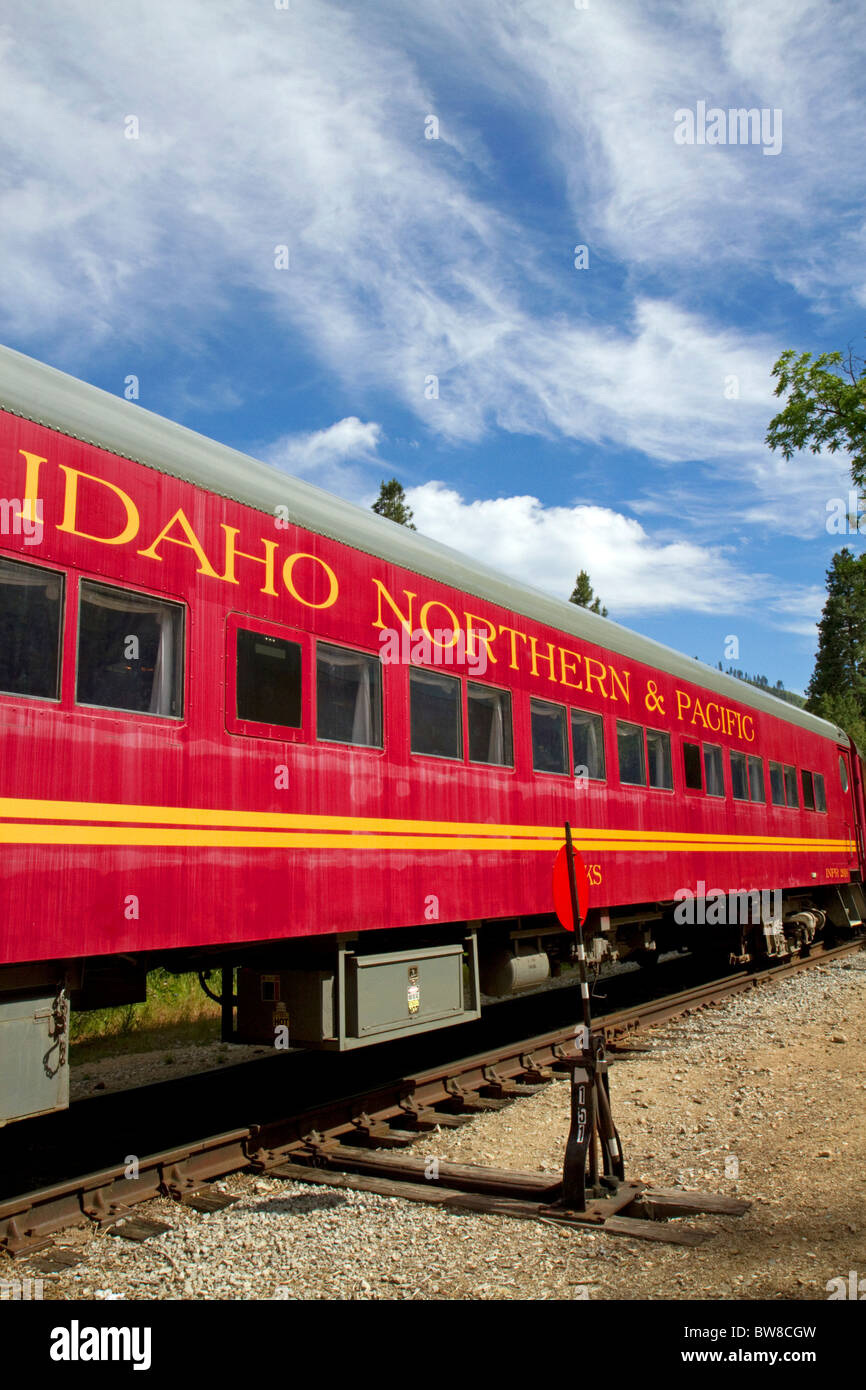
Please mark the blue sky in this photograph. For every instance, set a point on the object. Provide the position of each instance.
(610, 418)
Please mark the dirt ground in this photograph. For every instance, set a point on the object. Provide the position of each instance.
(762, 1097)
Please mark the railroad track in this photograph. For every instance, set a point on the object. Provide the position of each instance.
(349, 1141)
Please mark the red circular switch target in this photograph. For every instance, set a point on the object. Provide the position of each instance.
(562, 891)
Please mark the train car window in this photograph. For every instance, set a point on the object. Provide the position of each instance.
(490, 736)
(820, 798)
(31, 605)
(713, 770)
(348, 697)
(692, 766)
(268, 689)
(777, 784)
(658, 751)
(756, 779)
(739, 776)
(549, 739)
(632, 759)
(436, 714)
(587, 737)
(808, 790)
(130, 651)
(791, 798)
(843, 774)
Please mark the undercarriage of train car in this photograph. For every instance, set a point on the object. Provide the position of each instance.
(341, 993)
(736, 928)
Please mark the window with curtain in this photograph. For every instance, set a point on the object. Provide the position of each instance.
(130, 651)
(549, 739)
(756, 779)
(658, 754)
(348, 697)
(739, 776)
(632, 757)
(820, 798)
(490, 738)
(713, 770)
(435, 714)
(587, 737)
(31, 608)
(791, 797)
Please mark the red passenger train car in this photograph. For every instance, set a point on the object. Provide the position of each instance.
(246, 726)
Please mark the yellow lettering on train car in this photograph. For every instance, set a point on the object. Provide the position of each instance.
(590, 662)
(232, 554)
(70, 509)
(453, 624)
(512, 665)
(487, 637)
(192, 543)
(570, 666)
(549, 658)
(729, 720)
(288, 580)
(406, 619)
(30, 500)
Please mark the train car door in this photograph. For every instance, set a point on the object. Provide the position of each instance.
(855, 764)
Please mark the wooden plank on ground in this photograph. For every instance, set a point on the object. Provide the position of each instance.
(426, 1120)
(383, 1136)
(662, 1202)
(655, 1230)
(479, 1105)
(486, 1204)
(462, 1176)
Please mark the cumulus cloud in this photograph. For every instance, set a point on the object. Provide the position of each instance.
(331, 457)
(546, 546)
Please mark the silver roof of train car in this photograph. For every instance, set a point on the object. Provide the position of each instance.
(49, 397)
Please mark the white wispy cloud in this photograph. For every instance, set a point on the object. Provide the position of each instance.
(799, 611)
(306, 128)
(413, 258)
(604, 83)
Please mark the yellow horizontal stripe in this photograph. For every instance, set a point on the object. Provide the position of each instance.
(260, 820)
(313, 825)
(250, 839)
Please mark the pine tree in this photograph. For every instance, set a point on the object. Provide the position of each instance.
(837, 690)
(844, 711)
(582, 595)
(392, 503)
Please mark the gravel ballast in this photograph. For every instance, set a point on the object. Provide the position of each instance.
(763, 1097)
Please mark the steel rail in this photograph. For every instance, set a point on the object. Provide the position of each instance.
(439, 1095)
